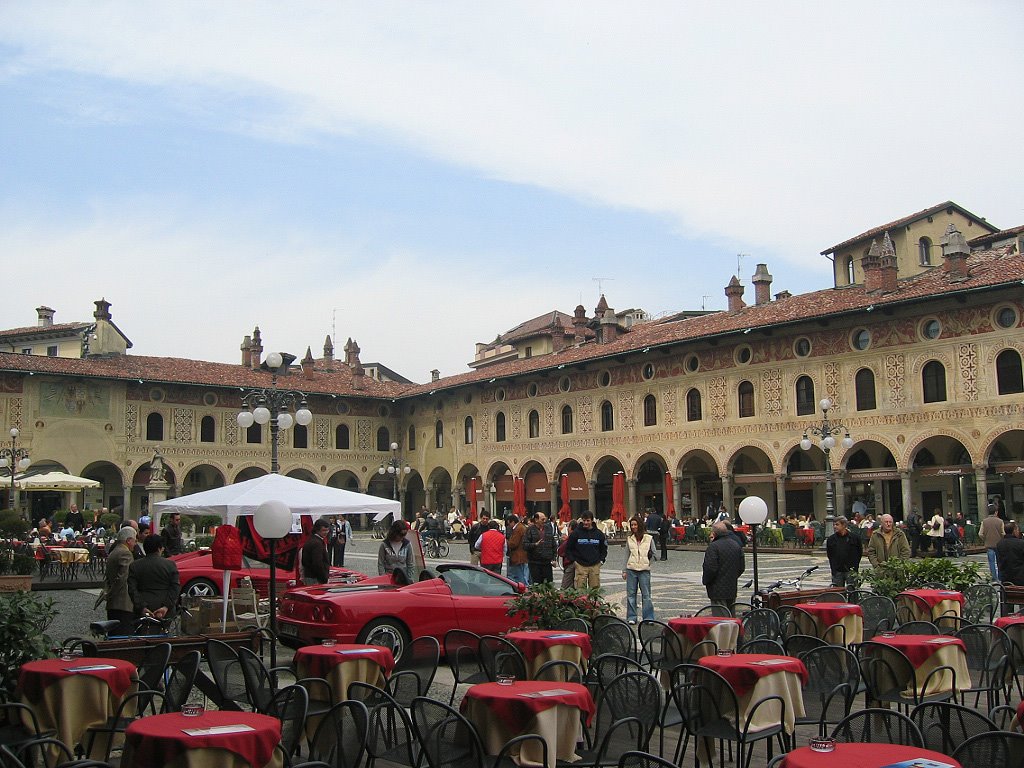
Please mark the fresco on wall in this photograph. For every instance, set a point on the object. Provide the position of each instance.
(81, 399)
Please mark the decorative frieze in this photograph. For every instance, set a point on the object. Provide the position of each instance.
(184, 424)
(895, 375)
(626, 419)
(967, 357)
(364, 427)
(716, 398)
(131, 422)
(585, 413)
(771, 392)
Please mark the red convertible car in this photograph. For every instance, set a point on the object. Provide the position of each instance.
(200, 579)
(384, 611)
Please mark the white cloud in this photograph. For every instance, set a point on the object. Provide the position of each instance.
(783, 126)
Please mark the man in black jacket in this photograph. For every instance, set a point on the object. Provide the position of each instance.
(474, 533)
(844, 549)
(588, 548)
(153, 581)
(541, 544)
(316, 567)
(723, 565)
(1010, 555)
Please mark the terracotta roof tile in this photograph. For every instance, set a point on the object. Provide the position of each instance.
(993, 236)
(55, 329)
(907, 220)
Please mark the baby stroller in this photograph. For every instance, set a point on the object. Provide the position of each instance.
(953, 541)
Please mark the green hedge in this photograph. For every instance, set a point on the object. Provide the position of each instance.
(894, 576)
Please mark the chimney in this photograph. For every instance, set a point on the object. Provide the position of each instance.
(256, 349)
(955, 253)
(102, 310)
(609, 326)
(307, 364)
(579, 322)
(328, 350)
(602, 305)
(351, 353)
(44, 317)
(734, 293)
(247, 351)
(762, 285)
(557, 333)
(880, 273)
(782, 295)
(435, 374)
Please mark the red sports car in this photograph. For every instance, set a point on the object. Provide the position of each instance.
(200, 579)
(384, 611)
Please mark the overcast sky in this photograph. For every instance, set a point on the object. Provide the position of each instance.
(422, 176)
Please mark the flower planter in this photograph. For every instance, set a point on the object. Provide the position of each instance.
(15, 583)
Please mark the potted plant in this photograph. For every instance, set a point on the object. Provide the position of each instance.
(110, 521)
(12, 524)
(15, 576)
(24, 619)
(895, 575)
(544, 605)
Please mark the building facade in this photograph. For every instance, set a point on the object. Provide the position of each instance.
(923, 371)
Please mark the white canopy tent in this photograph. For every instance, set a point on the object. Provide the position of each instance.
(301, 496)
(54, 481)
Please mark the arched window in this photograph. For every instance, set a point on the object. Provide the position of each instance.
(411, 442)
(341, 441)
(534, 421)
(924, 252)
(467, 430)
(1008, 372)
(207, 430)
(155, 426)
(849, 270)
(693, 408)
(439, 434)
(566, 420)
(864, 383)
(804, 396)
(254, 434)
(499, 427)
(933, 382)
(607, 416)
(383, 439)
(650, 411)
(300, 436)
(746, 399)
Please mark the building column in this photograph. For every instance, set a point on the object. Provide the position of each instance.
(981, 483)
(126, 504)
(631, 509)
(780, 496)
(727, 494)
(839, 491)
(906, 492)
(592, 495)
(554, 499)
(677, 496)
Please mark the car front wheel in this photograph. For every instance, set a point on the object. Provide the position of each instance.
(200, 588)
(387, 633)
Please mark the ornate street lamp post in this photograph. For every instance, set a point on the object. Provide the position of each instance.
(754, 512)
(396, 467)
(828, 431)
(271, 405)
(14, 458)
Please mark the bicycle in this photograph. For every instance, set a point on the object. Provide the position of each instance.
(436, 547)
(759, 599)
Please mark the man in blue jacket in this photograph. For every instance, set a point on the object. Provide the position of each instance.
(588, 548)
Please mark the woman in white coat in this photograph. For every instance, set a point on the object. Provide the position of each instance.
(636, 571)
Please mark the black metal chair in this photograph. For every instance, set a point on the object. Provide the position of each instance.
(573, 624)
(643, 760)
(982, 603)
(1002, 716)
(45, 751)
(19, 724)
(762, 645)
(761, 622)
(100, 741)
(153, 667)
(500, 658)
(889, 675)
(833, 680)
(714, 609)
(660, 649)
(878, 726)
(289, 705)
(945, 725)
(918, 627)
(798, 645)
(701, 649)
(987, 750)
(390, 735)
(262, 684)
(989, 662)
(227, 674)
(181, 677)
(414, 672)
(560, 671)
(462, 654)
(831, 597)
(879, 614)
(639, 695)
(614, 637)
(340, 738)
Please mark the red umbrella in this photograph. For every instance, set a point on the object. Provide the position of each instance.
(471, 500)
(670, 504)
(565, 511)
(519, 497)
(618, 513)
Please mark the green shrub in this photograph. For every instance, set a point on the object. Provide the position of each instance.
(206, 540)
(208, 521)
(110, 521)
(894, 576)
(60, 516)
(24, 619)
(23, 565)
(12, 524)
(544, 605)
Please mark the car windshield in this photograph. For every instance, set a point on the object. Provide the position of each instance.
(248, 562)
(474, 583)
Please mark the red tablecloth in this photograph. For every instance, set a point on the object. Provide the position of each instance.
(159, 739)
(827, 614)
(533, 642)
(37, 675)
(318, 660)
(919, 648)
(866, 756)
(934, 596)
(743, 670)
(807, 534)
(1009, 621)
(520, 702)
(696, 628)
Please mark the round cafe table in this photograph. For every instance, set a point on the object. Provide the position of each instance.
(215, 739)
(868, 756)
(926, 653)
(71, 696)
(692, 630)
(931, 604)
(550, 710)
(540, 646)
(343, 664)
(835, 623)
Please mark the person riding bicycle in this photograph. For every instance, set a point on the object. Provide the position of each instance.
(433, 528)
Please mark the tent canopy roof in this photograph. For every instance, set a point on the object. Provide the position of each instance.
(301, 496)
(54, 481)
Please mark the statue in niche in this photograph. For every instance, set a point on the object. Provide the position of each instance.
(157, 467)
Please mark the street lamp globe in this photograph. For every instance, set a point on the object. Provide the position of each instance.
(245, 419)
(285, 420)
(847, 442)
(391, 469)
(805, 444)
(828, 442)
(261, 414)
(274, 360)
(303, 416)
(394, 446)
(15, 432)
(381, 470)
(753, 510)
(825, 404)
(23, 464)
